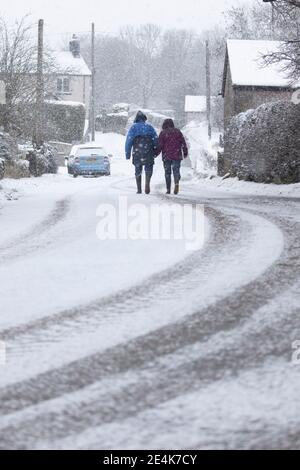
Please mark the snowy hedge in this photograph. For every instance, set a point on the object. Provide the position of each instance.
(64, 121)
(263, 145)
(112, 122)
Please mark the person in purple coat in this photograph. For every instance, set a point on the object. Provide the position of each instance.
(172, 145)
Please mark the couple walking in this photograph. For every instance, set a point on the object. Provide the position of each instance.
(144, 145)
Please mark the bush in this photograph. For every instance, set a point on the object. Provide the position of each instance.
(11, 165)
(17, 169)
(5, 153)
(42, 161)
(262, 145)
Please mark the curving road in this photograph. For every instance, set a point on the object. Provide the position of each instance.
(194, 351)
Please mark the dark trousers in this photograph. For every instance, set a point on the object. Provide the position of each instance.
(139, 169)
(172, 166)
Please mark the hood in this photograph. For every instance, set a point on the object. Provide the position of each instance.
(168, 124)
(140, 117)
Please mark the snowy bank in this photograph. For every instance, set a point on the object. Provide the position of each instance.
(7, 194)
(234, 185)
(13, 189)
(203, 152)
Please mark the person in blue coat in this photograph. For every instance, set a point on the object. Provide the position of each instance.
(142, 145)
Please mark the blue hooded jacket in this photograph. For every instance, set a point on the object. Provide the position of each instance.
(140, 129)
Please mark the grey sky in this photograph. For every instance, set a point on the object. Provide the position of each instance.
(76, 15)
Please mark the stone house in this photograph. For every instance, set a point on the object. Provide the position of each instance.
(247, 81)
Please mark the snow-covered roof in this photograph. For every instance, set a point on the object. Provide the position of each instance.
(66, 102)
(120, 114)
(123, 106)
(247, 65)
(195, 104)
(67, 64)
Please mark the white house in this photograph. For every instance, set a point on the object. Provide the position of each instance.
(195, 108)
(72, 81)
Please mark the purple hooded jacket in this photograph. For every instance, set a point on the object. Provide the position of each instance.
(171, 142)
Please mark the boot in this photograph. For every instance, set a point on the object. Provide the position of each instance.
(147, 186)
(168, 184)
(176, 190)
(139, 184)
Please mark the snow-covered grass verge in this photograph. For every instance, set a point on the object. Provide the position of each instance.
(234, 185)
(7, 194)
(203, 152)
(13, 189)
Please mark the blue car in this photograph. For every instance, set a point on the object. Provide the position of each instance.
(88, 160)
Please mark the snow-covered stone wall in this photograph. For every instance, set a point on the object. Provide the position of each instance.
(263, 145)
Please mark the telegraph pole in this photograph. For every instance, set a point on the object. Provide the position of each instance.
(272, 17)
(39, 114)
(273, 21)
(208, 89)
(92, 113)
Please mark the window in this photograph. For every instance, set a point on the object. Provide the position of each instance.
(63, 85)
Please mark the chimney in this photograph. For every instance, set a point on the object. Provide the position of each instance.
(75, 46)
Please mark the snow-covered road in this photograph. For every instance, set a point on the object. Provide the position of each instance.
(141, 344)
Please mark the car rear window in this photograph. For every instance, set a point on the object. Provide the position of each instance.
(85, 152)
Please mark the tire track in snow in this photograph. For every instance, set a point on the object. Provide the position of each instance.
(123, 300)
(225, 315)
(33, 339)
(139, 390)
(153, 382)
(165, 340)
(29, 242)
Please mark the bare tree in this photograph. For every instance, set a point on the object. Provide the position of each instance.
(176, 59)
(288, 57)
(114, 75)
(238, 22)
(145, 44)
(18, 69)
(284, 3)
(288, 13)
(278, 21)
(289, 54)
(17, 64)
